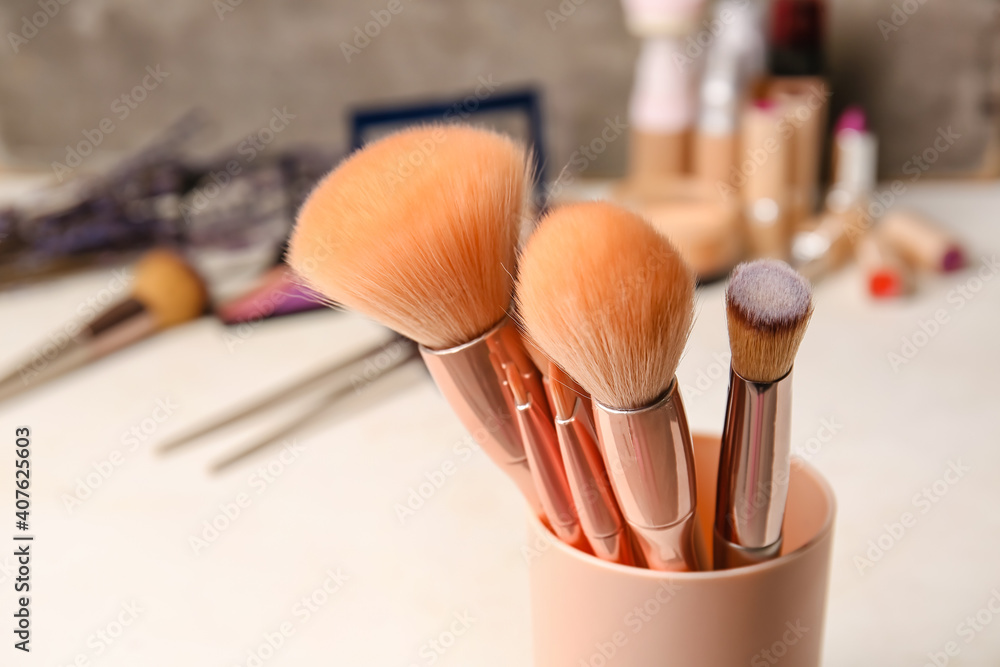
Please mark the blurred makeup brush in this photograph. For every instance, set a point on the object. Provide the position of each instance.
(768, 306)
(166, 292)
(608, 298)
(418, 232)
(386, 353)
(327, 400)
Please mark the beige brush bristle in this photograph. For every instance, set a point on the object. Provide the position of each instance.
(169, 288)
(539, 358)
(608, 299)
(418, 231)
(768, 306)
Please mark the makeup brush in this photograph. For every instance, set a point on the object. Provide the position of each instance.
(591, 492)
(609, 300)
(418, 232)
(600, 518)
(768, 306)
(166, 292)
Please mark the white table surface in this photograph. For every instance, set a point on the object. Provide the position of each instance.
(333, 508)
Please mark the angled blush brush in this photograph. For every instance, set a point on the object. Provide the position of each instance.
(166, 292)
(418, 231)
(768, 306)
(609, 300)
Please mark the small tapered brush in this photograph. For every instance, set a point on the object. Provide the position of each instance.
(609, 300)
(166, 292)
(418, 231)
(768, 307)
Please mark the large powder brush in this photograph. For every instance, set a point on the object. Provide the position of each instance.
(418, 231)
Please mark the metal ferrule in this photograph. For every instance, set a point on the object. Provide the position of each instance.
(651, 465)
(467, 376)
(593, 496)
(753, 471)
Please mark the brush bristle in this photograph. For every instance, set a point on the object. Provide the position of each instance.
(418, 231)
(768, 306)
(608, 299)
(539, 358)
(169, 288)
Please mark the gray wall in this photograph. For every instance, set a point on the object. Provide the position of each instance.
(66, 78)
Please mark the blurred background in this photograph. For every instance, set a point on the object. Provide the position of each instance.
(238, 61)
(227, 472)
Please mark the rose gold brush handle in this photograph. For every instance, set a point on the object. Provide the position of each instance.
(542, 449)
(651, 464)
(125, 323)
(754, 470)
(468, 378)
(590, 487)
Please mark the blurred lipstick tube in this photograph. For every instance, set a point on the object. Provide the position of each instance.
(467, 376)
(855, 162)
(804, 101)
(588, 480)
(541, 447)
(661, 17)
(886, 274)
(734, 61)
(651, 465)
(920, 242)
(661, 111)
(826, 247)
(765, 193)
